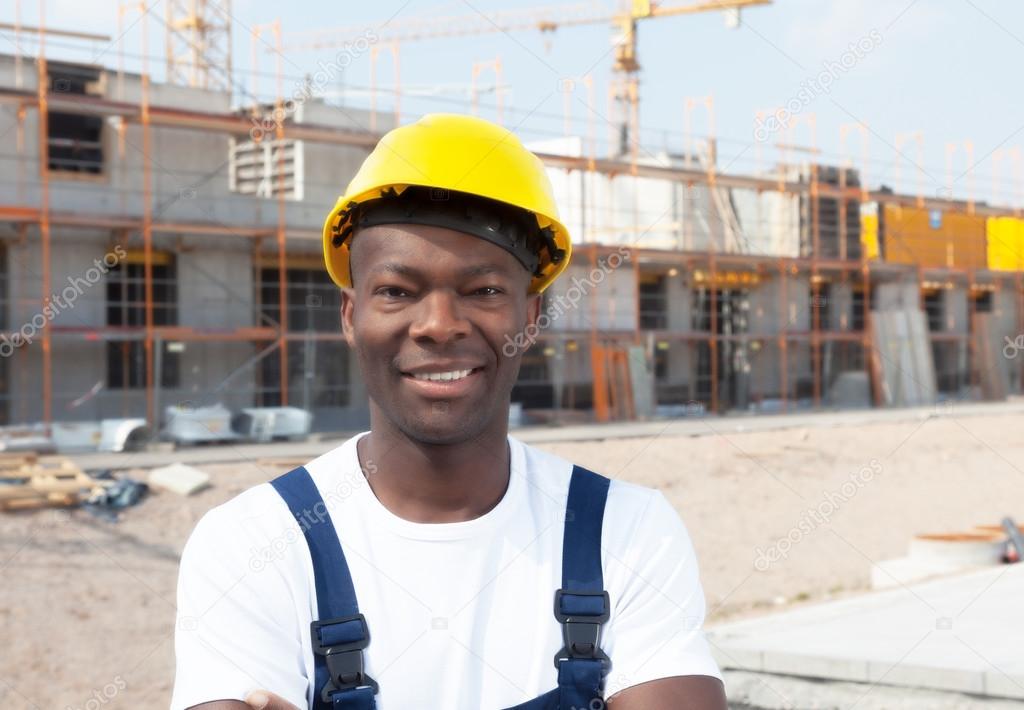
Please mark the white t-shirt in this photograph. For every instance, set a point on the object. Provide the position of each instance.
(460, 614)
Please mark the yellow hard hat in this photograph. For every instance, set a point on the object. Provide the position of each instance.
(452, 152)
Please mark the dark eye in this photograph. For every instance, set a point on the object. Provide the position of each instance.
(390, 291)
(495, 289)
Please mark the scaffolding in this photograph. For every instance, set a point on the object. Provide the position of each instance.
(738, 358)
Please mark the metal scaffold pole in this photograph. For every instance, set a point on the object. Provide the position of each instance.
(44, 216)
(282, 244)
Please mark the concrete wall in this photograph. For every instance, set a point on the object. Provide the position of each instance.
(189, 176)
(215, 287)
(681, 357)
(895, 295)
(759, 350)
(1006, 329)
(766, 320)
(840, 305)
(571, 300)
(215, 293)
(668, 214)
(79, 360)
(80, 291)
(189, 182)
(189, 168)
(955, 311)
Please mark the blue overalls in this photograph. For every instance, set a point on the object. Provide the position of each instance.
(581, 606)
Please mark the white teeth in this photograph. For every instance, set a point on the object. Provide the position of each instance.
(442, 376)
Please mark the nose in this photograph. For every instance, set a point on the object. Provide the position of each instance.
(439, 318)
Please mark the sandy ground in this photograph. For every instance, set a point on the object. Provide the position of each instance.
(87, 607)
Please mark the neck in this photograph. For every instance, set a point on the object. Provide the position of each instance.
(435, 483)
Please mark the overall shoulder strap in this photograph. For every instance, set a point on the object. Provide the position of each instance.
(340, 633)
(582, 604)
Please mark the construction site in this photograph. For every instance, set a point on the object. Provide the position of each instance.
(163, 286)
(799, 287)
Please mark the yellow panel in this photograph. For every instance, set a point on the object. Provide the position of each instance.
(869, 234)
(292, 261)
(138, 256)
(1005, 243)
(956, 239)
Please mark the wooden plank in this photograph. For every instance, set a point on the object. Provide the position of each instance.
(40, 502)
(16, 460)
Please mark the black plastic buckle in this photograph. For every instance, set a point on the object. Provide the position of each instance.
(581, 633)
(344, 661)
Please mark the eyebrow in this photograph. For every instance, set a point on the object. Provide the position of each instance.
(481, 269)
(397, 268)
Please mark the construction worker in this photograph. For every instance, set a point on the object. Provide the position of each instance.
(435, 561)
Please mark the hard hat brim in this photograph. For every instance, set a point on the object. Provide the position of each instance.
(337, 259)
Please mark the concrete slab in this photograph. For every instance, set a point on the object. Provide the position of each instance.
(886, 574)
(963, 634)
(765, 691)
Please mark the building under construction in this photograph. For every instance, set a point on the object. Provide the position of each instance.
(162, 247)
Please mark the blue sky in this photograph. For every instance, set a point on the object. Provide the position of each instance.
(947, 68)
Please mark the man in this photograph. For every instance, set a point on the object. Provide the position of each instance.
(435, 561)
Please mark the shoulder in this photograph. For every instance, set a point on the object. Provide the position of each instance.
(629, 506)
(257, 521)
(246, 523)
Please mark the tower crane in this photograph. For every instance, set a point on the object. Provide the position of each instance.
(545, 19)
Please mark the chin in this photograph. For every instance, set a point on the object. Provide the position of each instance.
(441, 429)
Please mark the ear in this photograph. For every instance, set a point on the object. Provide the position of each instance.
(348, 304)
(534, 303)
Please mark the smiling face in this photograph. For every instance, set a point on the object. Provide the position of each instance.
(428, 300)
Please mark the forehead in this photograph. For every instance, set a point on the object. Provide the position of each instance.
(385, 248)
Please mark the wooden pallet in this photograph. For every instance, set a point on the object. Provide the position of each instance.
(17, 459)
(31, 481)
